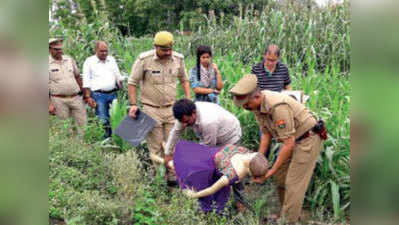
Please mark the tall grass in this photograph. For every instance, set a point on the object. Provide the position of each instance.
(306, 35)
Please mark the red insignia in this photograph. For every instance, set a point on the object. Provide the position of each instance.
(280, 124)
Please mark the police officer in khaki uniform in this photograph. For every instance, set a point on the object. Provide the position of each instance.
(64, 85)
(290, 122)
(157, 71)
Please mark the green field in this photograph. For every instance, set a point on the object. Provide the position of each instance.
(90, 183)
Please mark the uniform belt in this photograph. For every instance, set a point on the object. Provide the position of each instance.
(157, 106)
(305, 135)
(106, 92)
(64, 96)
(318, 129)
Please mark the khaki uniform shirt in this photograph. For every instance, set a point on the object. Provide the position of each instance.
(62, 76)
(282, 116)
(158, 80)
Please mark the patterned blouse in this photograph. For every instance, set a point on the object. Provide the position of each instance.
(223, 160)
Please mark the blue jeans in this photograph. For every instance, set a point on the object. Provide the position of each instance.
(103, 102)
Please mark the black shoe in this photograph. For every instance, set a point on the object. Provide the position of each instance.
(171, 183)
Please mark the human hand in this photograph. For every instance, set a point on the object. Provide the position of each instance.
(189, 193)
(215, 91)
(167, 159)
(261, 179)
(90, 101)
(51, 110)
(133, 110)
(215, 67)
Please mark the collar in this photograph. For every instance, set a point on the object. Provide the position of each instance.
(264, 105)
(197, 120)
(267, 70)
(155, 57)
(99, 60)
(52, 60)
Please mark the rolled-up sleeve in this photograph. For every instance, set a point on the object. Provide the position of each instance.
(193, 79)
(283, 121)
(173, 137)
(86, 74)
(137, 73)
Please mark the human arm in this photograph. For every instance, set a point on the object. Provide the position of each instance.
(86, 85)
(182, 75)
(287, 80)
(283, 120)
(77, 76)
(205, 91)
(51, 108)
(288, 87)
(186, 89)
(135, 77)
(222, 182)
(195, 85)
(264, 143)
(174, 135)
(219, 81)
(117, 73)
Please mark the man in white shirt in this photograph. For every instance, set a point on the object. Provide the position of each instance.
(101, 79)
(212, 124)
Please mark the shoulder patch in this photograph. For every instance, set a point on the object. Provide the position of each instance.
(280, 124)
(178, 55)
(146, 54)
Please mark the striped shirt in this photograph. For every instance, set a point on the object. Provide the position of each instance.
(275, 81)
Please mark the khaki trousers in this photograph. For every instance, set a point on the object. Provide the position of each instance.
(160, 133)
(295, 174)
(71, 107)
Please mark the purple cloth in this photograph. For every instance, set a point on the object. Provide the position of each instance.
(195, 168)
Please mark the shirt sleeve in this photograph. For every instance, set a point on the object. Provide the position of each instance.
(75, 68)
(116, 71)
(209, 134)
(137, 73)
(86, 74)
(182, 72)
(253, 70)
(193, 79)
(287, 79)
(283, 121)
(262, 128)
(173, 137)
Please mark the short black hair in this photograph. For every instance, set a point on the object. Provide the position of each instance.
(183, 107)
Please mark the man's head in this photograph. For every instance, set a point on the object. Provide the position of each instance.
(101, 50)
(258, 165)
(246, 93)
(163, 43)
(271, 56)
(55, 48)
(184, 111)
